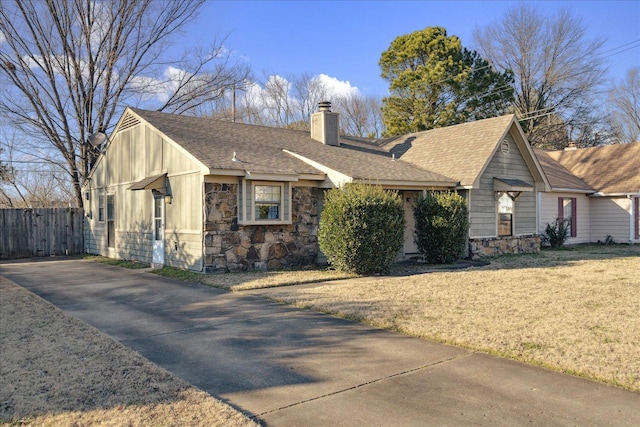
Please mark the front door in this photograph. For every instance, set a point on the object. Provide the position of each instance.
(410, 246)
(158, 229)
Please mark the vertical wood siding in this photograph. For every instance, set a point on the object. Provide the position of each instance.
(40, 232)
(134, 154)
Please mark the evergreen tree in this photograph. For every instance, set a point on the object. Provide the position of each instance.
(435, 82)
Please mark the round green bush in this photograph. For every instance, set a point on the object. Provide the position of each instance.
(442, 226)
(362, 228)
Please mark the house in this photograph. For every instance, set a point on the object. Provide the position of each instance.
(497, 172)
(568, 199)
(209, 195)
(603, 195)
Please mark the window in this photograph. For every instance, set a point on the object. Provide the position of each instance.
(567, 207)
(111, 225)
(505, 215)
(101, 208)
(264, 202)
(267, 199)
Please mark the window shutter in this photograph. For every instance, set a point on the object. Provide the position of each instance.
(560, 208)
(240, 201)
(574, 217)
(637, 218)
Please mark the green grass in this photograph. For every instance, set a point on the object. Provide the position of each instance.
(179, 274)
(117, 262)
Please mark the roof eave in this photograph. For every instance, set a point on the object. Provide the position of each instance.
(622, 194)
(570, 190)
(408, 184)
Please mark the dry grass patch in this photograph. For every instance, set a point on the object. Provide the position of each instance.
(268, 279)
(57, 370)
(576, 311)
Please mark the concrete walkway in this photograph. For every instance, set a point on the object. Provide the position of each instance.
(287, 366)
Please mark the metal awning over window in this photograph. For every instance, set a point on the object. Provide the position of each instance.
(512, 187)
(156, 182)
(505, 185)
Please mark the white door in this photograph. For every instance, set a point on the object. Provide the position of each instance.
(158, 229)
(410, 246)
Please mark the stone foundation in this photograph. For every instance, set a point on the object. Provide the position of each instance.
(481, 248)
(232, 247)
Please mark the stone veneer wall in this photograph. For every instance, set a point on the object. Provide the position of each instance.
(232, 247)
(479, 248)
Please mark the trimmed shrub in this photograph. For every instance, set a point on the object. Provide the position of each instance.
(362, 228)
(556, 233)
(442, 226)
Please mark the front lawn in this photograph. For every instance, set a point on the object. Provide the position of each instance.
(575, 310)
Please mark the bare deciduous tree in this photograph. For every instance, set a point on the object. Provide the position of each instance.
(30, 180)
(556, 69)
(360, 115)
(289, 102)
(624, 105)
(69, 67)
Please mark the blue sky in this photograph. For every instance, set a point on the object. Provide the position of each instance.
(344, 39)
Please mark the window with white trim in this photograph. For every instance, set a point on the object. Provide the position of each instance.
(267, 202)
(505, 215)
(264, 202)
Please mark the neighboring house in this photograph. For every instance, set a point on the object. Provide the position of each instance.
(497, 173)
(210, 195)
(613, 206)
(568, 199)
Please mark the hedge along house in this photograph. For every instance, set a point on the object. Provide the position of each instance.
(209, 195)
(612, 208)
(496, 171)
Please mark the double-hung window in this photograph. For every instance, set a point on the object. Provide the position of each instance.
(267, 202)
(264, 202)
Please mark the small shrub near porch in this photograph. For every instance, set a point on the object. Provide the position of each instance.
(362, 228)
(442, 226)
(556, 233)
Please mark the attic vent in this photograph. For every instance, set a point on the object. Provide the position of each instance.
(129, 121)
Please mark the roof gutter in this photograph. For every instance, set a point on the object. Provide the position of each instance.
(601, 194)
(571, 190)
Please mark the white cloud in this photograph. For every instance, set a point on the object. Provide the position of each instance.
(338, 88)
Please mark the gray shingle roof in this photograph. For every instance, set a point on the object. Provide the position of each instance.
(558, 176)
(259, 149)
(609, 169)
(459, 151)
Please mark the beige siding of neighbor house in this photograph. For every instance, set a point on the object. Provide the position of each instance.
(134, 154)
(611, 217)
(549, 213)
(482, 202)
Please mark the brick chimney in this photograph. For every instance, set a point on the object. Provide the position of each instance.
(325, 125)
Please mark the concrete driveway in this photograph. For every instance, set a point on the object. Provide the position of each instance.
(287, 366)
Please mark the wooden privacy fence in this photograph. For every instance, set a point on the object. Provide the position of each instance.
(40, 232)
